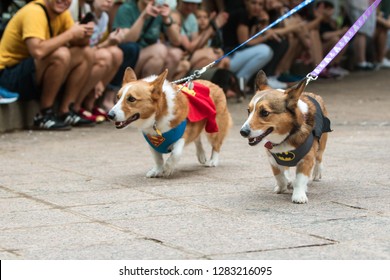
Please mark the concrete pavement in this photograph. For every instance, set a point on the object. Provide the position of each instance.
(83, 194)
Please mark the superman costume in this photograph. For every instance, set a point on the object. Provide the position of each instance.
(201, 107)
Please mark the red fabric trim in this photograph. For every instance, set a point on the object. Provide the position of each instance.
(201, 106)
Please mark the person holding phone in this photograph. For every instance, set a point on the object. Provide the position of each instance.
(43, 51)
(141, 22)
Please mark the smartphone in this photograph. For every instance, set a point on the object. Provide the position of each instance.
(159, 2)
(87, 18)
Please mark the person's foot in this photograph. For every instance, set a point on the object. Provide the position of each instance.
(275, 83)
(74, 119)
(365, 66)
(7, 97)
(48, 121)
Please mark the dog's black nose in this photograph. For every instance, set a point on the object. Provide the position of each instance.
(245, 132)
(111, 115)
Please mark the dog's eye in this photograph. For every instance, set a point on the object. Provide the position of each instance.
(131, 99)
(264, 113)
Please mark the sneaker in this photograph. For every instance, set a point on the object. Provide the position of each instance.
(385, 63)
(74, 119)
(7, 96)
(274, 83)
(338, 71)
(49, 121)
(365, 66)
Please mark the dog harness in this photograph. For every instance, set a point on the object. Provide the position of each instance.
(322, 125)
(163, 143)
(201, 107)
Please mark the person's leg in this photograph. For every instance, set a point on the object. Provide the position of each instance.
(130, 52)
(172, 62)
(151, 60)
(247, 62)
(51, 73)
(81, 61)
(100, 68)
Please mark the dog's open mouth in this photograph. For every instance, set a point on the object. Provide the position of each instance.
(256, 140)
(134, 117)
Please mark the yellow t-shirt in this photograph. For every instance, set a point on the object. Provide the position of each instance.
(30, 21)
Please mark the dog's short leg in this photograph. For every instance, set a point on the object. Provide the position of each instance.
(214, 160)
(174, 158)
(156, 171)
(200, 153)
(300, 188)
(317, 172)
(282, 180)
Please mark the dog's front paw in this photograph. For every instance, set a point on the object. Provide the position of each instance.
(214, 160)
(279, 189)
(155, 172)
(201, 157)
(167, 171)
(299, 197)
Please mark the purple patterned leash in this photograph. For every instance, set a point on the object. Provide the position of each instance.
(343, 42)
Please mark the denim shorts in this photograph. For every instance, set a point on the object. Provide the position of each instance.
(20, 78)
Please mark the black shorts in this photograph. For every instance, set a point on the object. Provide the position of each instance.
(21, 79)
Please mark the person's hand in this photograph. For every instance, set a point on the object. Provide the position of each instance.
(165, 10)
(116, 37)
(82, 31)
(272, 35)
(151, 10)
(220, 19)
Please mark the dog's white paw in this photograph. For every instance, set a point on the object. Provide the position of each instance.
(201, 157)
(214, 160)
(279, 189)
(299, 197)
(317, 172)
(168, 170)
(212, 163)
(155, 172)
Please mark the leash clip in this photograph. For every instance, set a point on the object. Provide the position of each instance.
(310, 77)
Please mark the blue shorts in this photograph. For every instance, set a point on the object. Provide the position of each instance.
(21, 79)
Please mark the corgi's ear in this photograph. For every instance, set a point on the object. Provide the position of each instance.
(129, 76)
(157, 84)
(293, 93)
(261, 81)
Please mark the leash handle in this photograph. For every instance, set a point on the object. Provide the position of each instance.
(343, 42)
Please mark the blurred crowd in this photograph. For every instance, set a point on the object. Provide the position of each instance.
(71, 54)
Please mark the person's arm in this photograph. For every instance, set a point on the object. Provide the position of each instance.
(40, 48)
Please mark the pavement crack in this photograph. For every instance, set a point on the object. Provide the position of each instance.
(350, 206)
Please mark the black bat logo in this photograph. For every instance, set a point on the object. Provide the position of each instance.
(286, 156)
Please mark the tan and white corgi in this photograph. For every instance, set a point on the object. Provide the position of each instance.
(169, 117)
(292, 125)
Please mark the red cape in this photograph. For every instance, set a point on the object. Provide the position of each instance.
(201, 106)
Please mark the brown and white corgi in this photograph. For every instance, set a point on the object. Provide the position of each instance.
(292, 125)
(169, 117)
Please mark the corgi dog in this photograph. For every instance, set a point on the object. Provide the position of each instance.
(169, 121)
(292, 125)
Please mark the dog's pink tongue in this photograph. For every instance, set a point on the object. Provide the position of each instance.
(268, 145)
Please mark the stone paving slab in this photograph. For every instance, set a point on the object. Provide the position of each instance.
(83, 194)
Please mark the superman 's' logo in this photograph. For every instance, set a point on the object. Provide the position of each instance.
(156, 140)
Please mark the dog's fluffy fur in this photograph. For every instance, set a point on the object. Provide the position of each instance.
(283, 120)
(154, 101)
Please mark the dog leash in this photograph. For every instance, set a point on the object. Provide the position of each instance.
(199, 72)
(312, 76)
